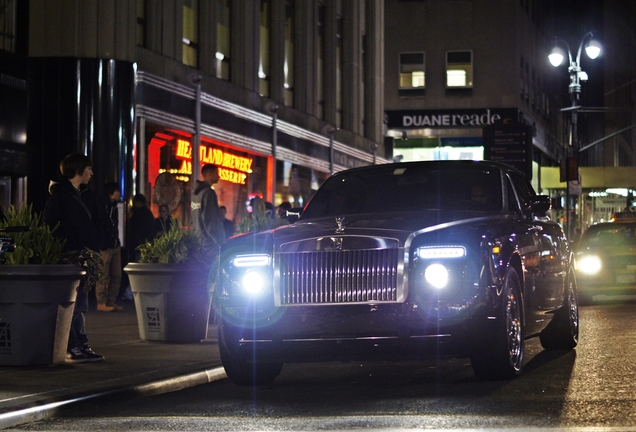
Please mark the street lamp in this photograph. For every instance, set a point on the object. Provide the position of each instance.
(592, 49)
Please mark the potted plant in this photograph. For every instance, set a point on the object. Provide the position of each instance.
(38, 287)
(172, 287)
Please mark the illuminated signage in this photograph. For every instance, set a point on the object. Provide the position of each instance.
(232, 168)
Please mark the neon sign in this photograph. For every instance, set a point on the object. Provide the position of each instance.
(232, 168)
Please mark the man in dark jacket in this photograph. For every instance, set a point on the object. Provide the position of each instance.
(107, 288)
(72, 206)
(140, 226)
(206, 219)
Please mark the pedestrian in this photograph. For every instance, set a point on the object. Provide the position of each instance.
(165, 221)
(140, 226)
(228, 225)
(206, 219)
(73, 207)
(108, 286)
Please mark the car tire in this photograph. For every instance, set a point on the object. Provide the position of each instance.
(500, 354)
(563, 331)
(242, 372)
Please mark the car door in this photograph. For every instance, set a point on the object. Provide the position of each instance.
(548, 282)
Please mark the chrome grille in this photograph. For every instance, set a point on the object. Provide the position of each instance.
(350, 276)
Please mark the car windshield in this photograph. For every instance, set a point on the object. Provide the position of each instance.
(408, 188)
(610, 235)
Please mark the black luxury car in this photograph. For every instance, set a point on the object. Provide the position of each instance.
(401, 261)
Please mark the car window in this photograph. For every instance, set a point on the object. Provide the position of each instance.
(609, 235)
(408, 188)
(522, 187)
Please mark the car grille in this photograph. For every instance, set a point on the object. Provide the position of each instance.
(328, 277)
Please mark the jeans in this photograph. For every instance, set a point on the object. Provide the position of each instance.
(107, 288)
(77, 338)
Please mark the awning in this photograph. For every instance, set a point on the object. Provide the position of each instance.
(592, 177)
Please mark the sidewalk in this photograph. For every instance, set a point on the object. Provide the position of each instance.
(31, 393)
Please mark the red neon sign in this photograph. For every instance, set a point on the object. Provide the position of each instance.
(232, 168)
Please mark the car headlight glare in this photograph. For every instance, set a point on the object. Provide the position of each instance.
(251, 260)
(590, 264)
(253, 282)
(437, 252)
(436, 275)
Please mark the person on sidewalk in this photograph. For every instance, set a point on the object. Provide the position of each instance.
(73, 207)
(108, 286)
(140, 226)
(206, 218)
(228, 225)
(165, 221)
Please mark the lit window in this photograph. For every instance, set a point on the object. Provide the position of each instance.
(412, 73)
(459, 69)
(190, 33)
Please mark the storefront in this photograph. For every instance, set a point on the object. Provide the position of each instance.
(239, 141)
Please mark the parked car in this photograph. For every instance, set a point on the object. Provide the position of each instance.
(606, 259)
(401, 261)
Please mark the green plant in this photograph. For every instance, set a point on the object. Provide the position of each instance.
(178, 245)
(39, 245)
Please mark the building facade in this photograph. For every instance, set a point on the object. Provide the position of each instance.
(277, 93)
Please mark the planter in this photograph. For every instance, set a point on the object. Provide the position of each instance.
(172, 301)
(36, 309)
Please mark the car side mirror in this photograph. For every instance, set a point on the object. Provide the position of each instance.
(538, 205)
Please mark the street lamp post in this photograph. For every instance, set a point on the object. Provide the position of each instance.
(556, 57)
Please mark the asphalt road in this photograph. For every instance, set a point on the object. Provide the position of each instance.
(591, 388)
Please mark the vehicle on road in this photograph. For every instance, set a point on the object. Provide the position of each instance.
(606, 259)
(403, 260)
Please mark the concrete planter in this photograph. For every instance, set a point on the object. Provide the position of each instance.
(172, 301)
(36, 309)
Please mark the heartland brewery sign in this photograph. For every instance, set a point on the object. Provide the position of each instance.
(451, 118)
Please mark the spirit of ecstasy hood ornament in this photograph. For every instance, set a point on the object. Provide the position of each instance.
(341, 228)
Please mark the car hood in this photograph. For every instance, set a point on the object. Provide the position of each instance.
(377, 230)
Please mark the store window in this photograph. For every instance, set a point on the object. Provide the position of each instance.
(7, 25)
(296, 184)
(141, 23)
(243, 175)
(190, 38)
(264, 41)
(459, 69)
(223, 39)
(412, 70)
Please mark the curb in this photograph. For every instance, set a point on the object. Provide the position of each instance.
(41, 412)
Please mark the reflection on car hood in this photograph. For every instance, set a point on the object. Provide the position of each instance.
(389, 224)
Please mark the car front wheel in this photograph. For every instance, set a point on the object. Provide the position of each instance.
(500, 354)
(247, 373)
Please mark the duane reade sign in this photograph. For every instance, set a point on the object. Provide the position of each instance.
(453, 118)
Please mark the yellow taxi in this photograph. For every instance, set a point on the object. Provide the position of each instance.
(606, 258)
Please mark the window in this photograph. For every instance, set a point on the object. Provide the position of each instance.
(412, 67)
(459, 69)
(7, 25)
(339, 66)
(141, 23)
(288, 67)
(190, 54)
(320, 63)
(263, 67)
(223, 39)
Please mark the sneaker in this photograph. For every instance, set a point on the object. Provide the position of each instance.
(76, 355)
(104, 307)
(90, 354)
(115, 307)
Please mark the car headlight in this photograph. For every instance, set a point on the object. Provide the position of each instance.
(255, 260)
(437, 252)
(590, 264)
(436, 275)
(253, 282)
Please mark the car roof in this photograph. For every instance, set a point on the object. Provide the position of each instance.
(441, 163)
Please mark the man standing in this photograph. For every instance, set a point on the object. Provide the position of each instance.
(140, 226)
(206, 219)
(108, 286)
(72, 206)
